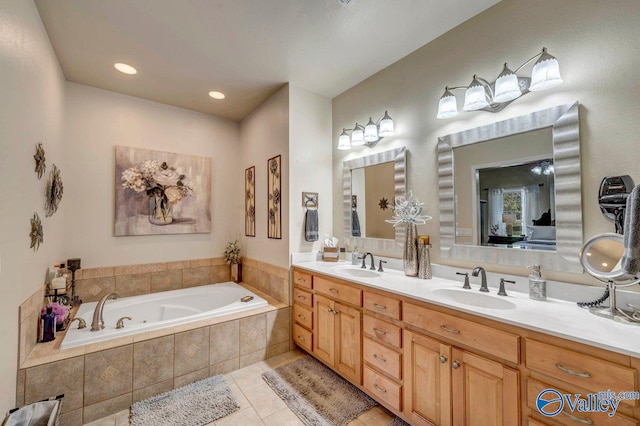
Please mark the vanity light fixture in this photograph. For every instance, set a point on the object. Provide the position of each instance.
(368, 135)
(494, 97)
(544, 168)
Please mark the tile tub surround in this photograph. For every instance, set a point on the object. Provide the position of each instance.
(132, 280)
(98, 382)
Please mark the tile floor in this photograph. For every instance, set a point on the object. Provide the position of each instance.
(259, 404)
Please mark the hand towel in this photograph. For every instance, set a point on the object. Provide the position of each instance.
(355, 223)
(311, 225)
(631, 257)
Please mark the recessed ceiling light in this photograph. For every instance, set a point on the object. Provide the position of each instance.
(125, 69)
(217, 95)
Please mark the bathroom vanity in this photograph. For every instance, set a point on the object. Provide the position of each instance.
(433, 353)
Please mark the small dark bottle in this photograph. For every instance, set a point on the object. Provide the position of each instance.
(48, 326)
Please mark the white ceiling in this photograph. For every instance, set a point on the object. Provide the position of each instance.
(246, 49)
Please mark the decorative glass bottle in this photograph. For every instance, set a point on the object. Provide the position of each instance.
(160, 210)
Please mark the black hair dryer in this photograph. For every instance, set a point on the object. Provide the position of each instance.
(614, 191)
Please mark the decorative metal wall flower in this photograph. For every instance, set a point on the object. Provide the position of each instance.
(384, 203)
(408, 209)
(275, 198)
(41, 165)
(250, 202)
(36, 234)
(53, 191)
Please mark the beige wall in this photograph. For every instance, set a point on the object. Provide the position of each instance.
(31, 112)
(97, 120)
(264, 134)
(309, 164)
(595, 44)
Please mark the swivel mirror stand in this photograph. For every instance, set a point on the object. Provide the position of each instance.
(600, 257)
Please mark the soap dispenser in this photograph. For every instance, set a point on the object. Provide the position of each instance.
(537, 284)
(355, 255)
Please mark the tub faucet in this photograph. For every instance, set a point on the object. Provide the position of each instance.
(98, 322)
(483, 278)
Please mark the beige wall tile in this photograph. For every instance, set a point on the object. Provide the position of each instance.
(225, 367)
(153, 390)
(278, 326)
(97, 272)
(152, 362)
(165, 281)
(58, 377)
(262, 281)
(217, 261)
(28, 333)
(194, 376)
(199, 263)
(133, 285)
(108, 374)
(278, 289)
(220, 274)
(253, 333)
(191, 351)
(224, 342)
(128, 270)
(253, 357)
(154, 267)
(195, 277)
(20, 388)
(106, 408)
(91, 290)
(72, 418)
(277, 349)
(180, 264)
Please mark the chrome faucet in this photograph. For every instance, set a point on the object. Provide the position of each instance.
(98, 322)
(483, 279)
(364, 259)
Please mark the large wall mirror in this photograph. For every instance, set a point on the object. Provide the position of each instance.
(370, 185)
(510, 191)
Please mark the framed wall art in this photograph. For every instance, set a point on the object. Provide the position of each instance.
(159, 192)
(275, 198)
(250, 201)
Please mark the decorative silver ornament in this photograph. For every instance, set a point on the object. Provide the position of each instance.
(53, 192)
(41, 165)
(36, 234)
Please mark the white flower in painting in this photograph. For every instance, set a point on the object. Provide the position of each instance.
(158, 179)
(132, 178)
(149, 167)
(174, 194)
(167, 177)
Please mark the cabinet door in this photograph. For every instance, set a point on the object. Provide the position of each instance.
(427, 380)
(349, 342)
(324, 337)
(484, 392)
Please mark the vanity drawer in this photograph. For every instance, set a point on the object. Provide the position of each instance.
(302, 337)
(384, 305)
(568, 417)
(303, 316)
(303, 297)
(338, 291)
(383, 388)
(477, 336)
(581, 370)
(384, 359)
(302, 279)
(382, 330)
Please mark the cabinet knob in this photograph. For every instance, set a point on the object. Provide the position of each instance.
(443, 359)
(455, 364)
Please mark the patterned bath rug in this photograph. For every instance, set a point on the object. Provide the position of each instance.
(195, 404)
(317, 395)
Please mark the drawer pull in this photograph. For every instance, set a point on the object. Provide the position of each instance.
(380, 307)
(379, 358)
(304, 280)
(332, 311)
(450, 330)
(573, 373)
(379, 389)
(301, 338)
(301, 297)
(333, 290)
(378, 331)
(301, 316)
(455, 364)
(443, 359)
(578, 419)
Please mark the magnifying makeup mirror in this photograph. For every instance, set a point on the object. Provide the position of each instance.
(601, 258)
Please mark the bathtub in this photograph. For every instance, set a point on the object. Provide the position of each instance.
(159, 310)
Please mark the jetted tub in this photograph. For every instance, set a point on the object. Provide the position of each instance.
(159, 310)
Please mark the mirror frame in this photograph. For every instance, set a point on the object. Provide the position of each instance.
(376, 245)
(564, 121)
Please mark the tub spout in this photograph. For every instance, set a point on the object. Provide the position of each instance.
(98, 322)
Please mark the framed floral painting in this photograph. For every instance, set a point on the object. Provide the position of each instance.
(159, 192)
(275, 198)
(250, 201)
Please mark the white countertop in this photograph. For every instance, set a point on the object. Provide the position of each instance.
(555, 317)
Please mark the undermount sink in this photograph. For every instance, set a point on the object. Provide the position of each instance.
(357, 272)
(473, 298)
